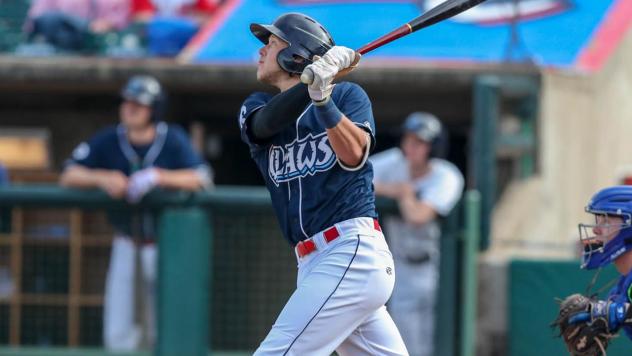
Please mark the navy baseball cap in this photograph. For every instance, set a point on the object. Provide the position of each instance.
(424, 125)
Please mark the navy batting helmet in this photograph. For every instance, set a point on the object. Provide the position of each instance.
(304, 35)
(428, 128)
(146, 90)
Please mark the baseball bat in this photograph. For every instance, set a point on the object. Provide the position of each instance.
(441, 12)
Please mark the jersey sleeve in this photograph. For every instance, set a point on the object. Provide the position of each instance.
(90, 153)
(383, 164)
(353, 101)
(253, 103)
(446, 191)
(188, 158)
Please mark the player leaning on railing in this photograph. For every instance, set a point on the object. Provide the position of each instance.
(311, 146)
(585, 323)
(127, 161)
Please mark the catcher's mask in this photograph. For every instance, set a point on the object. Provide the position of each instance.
(305, 38)
(610, 235)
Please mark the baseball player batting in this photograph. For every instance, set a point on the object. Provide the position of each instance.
(311, 145)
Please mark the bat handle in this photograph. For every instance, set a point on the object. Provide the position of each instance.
(307, 77)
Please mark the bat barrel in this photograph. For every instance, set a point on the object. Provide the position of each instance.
(389, 37)
(438, 13)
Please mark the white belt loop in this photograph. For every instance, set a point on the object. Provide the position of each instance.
(342, 231)
(319, 240)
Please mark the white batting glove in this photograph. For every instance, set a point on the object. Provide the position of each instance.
(140, 183)
(325, 69)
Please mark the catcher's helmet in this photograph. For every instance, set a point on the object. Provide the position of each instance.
(304, 35)
(613, 201)
(146, 90)
(428, 128)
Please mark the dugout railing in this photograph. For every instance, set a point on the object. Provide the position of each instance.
(225, 271)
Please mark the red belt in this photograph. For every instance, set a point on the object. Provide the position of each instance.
(307, 246)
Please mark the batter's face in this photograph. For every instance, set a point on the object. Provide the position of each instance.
(415, 150)
(135, 115)
(268, 69)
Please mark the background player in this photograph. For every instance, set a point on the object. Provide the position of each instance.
(311, 145)
(426, 188)
(129, 160)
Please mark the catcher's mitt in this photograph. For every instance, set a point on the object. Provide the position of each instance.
(583, 334)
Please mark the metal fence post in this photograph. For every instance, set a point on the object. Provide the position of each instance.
(469, 272)
(446, 319)
(486, 112)
(183, 282)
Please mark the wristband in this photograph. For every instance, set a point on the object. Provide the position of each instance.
(328, 113)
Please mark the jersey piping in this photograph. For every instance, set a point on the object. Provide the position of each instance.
(300, 185)
(154, 150)
(355, 253)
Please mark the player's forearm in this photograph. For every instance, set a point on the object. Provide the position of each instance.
(185, 179)
(349, 142)
(386, 190)
(416, 212)
(77, 176)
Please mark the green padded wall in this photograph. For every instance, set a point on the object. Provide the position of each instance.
(533, 287)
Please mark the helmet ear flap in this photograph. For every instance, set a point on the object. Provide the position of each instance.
(284, 59)
(292, 62)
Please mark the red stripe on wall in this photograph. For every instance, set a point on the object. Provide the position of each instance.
(203, 35)
(611, 32)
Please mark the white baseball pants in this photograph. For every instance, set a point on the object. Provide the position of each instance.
(120, 330)
(339, 301)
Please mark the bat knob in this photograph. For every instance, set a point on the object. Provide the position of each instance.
(307, 77)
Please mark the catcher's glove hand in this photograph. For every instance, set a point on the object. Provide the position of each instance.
(587, 325)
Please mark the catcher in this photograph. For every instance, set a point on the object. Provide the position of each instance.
(588, 324)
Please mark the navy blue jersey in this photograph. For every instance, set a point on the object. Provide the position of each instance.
(310, 189)
(110, 149)
(622, 293)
